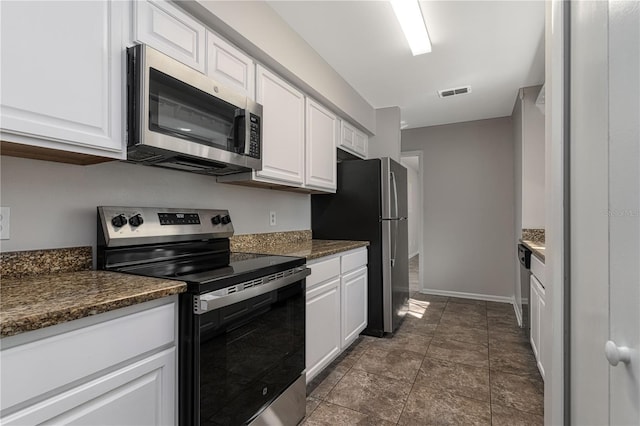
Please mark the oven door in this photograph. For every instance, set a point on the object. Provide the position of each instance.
(178, 110)
(247, 354)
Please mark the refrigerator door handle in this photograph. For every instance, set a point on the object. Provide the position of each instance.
(394, 233)
(395, 194)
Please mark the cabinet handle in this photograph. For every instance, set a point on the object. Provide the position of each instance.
(616, 354)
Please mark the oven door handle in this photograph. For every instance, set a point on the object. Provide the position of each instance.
(215, 300)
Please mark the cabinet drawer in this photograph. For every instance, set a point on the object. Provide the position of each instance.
(537, 269)
(354, 260)
(41, 366)
(323, 271)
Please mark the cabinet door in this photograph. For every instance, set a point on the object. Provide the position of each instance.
(167, 28)
(322, 326)
(541, 325)
(283, 129)
(62, 75)
(353, 140)
(534, 309)
(142, 393)
(361, 144)
(348, 136)
(321, 137)
(354, 305)
(230, 66)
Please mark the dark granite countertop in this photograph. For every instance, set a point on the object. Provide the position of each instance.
(537, 248)
(310, 249)
(42, 288)
(31, 303)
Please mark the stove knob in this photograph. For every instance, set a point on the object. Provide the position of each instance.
(119, 221)
(136, 220)
(226, 219)
(216, 219)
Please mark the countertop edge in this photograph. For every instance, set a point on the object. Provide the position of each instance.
(11, 327)
(535, 249)
(352, 246)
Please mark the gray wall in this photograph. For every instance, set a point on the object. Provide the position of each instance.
(54, 204)
(533, 203)
(468, 198)
(386, 142)
(517, 156)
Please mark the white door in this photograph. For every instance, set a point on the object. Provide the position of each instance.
(624, 209)
(605, 212)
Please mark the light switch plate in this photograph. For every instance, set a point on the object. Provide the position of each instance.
(5, 223)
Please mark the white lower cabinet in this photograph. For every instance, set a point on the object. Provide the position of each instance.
(139, 394)
(354, 305)
(538, 316)
(116, 368)
(336, 307)
(323, 326)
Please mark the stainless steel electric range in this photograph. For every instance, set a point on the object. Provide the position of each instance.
(242, 319)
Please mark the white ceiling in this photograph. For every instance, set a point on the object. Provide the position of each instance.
(496, 47)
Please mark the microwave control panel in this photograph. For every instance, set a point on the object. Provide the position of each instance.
(254, 136)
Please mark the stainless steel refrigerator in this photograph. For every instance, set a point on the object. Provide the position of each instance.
(371, 204)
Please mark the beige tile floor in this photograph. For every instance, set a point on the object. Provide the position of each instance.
(452, 362)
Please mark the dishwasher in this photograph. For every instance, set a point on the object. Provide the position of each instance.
(524, 256)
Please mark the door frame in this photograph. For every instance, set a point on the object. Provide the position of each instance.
(557, 43)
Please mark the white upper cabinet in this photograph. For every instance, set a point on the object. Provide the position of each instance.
(282, 129)
(353, 140)
(63, 75)
(361, 145)
(166, 28)
(322, 130)
(230, 66)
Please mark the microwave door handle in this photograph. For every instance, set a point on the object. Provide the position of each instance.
(239, 133)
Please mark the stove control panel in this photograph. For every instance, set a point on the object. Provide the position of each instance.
(147, 225)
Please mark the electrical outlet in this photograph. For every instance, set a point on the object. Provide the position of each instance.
(272, 218)
(5, 228)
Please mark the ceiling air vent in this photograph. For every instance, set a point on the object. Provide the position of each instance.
(454, 92)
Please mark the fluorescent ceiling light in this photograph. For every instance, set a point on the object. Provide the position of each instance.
(415, 30)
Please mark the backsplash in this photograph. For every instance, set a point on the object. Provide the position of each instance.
(534, 235)
(19, 264)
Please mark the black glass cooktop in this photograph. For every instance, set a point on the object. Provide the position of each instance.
(208, 272)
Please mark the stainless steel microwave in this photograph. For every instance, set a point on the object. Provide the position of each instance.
(181, 119)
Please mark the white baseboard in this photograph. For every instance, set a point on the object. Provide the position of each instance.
(463, 295)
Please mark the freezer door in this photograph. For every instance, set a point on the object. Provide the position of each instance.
(399, 181)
